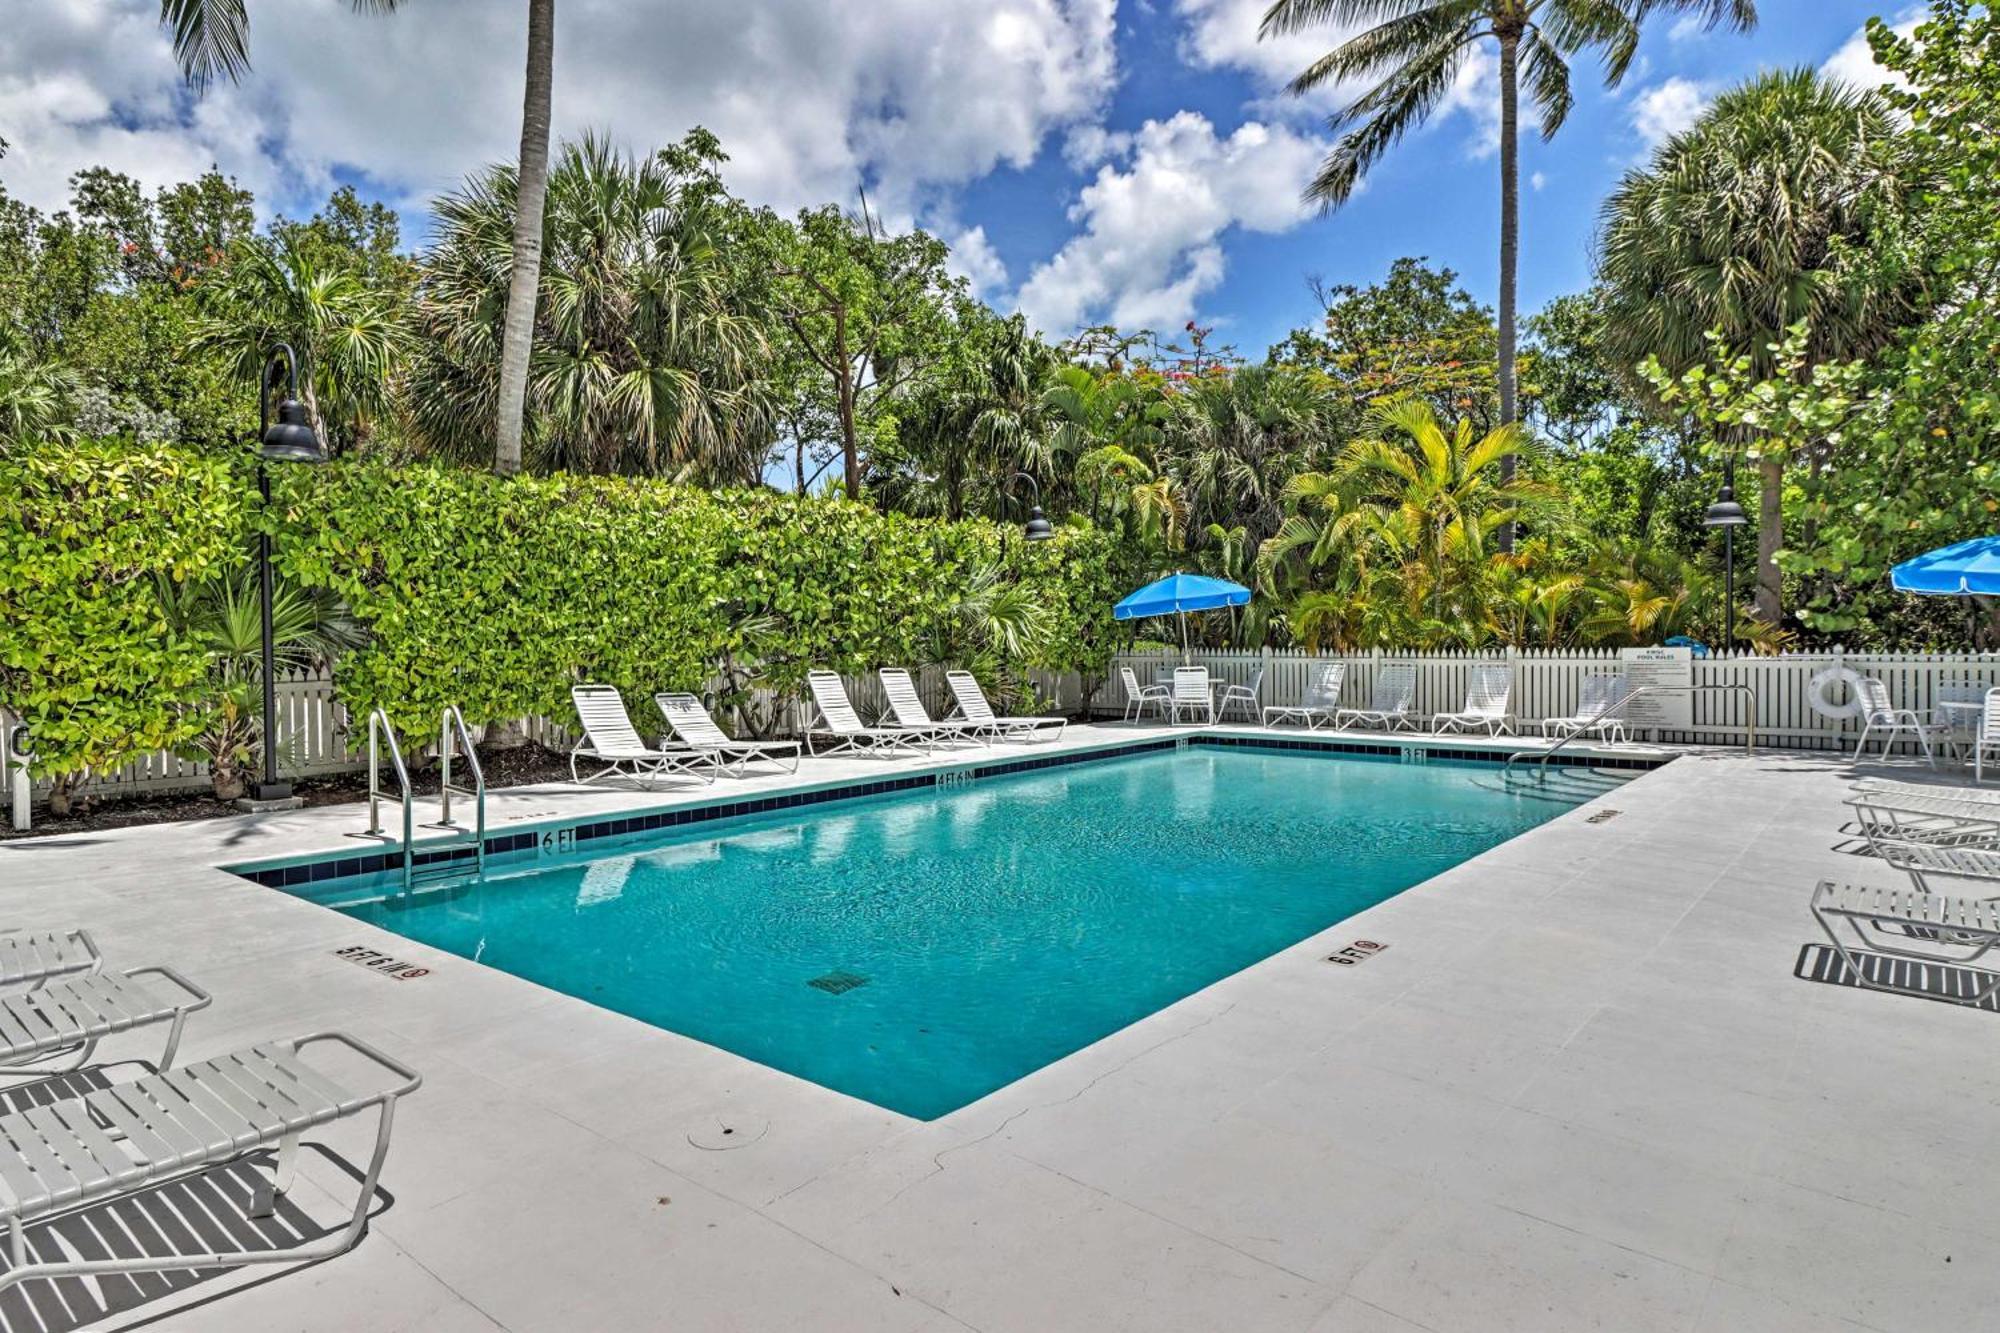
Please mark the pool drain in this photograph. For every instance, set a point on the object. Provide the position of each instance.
(837, 983)
(725, 1135)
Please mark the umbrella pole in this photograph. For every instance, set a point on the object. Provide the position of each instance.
(1186, 658)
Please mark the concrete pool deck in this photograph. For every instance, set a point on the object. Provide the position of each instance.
(1581, 1089)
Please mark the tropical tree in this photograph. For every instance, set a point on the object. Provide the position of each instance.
(1409, 56)
(212, 37)
(640, 363)
(36, 398)
(1787, 203)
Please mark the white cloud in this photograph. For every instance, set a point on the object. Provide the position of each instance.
(1153, 219)
(1688, 27)
(1854, 62)
(1222, 34)
(1667, 108)
(913, 96)
(974, 259)
(1537, 180)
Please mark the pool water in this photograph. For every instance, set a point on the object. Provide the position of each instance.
(920, 950)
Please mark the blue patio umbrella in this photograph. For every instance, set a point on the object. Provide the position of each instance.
(1178, 594)
(1963, 569)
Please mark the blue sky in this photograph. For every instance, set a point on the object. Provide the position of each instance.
(1090, 160)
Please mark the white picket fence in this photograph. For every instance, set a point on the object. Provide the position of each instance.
(1546, 684)
(319, 739)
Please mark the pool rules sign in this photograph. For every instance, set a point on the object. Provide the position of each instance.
(1667, 674)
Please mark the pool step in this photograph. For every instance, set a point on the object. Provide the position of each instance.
(1569, 786)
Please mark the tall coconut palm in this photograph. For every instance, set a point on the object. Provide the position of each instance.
(212, 37)
(1409, 56)
(1782, 205)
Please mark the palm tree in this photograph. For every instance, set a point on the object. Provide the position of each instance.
(36, 398)
(1780, 206)
(640, 363)
(1410, 57)
(212, 37)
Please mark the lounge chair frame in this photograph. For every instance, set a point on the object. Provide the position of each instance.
(1388, 702)
(1898, 817)
(1900, 915)
(71, 1016)
(33, 958)
(610, 740)
(119, 1140)
(699, 735)
(973, 705)
(907, 707)
(844, 725)
(1487, 697)
(1318, 702)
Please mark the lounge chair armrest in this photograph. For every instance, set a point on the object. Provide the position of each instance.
(412, 1080)
(202, 999)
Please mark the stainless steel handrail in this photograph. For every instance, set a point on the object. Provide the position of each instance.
(378, 731)
(453, 736)
(1617, 710)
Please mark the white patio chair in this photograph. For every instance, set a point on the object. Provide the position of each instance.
(1191, 694)
(124, 1140)
(1961, 724)
(699, 733)
(1244, 695)
(1138, 698)
(1388, 703)
(610, 739)
(907, 707)
(1599, 704)
(838, 720)
(1880, 717)
(973, 704)
(1317, 703)
(1486, 701)
(1988, 739)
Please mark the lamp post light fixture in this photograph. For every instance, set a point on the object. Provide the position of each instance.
(1038, 528)
(289, 439)
(1728, 515)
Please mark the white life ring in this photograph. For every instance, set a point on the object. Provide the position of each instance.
(1819, 691)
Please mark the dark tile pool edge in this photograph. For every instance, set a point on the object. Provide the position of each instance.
(324, 866)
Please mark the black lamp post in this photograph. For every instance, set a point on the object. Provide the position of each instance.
(1038, 528)
(1728, 515)
(289, 439)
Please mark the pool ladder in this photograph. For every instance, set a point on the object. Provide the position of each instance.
(438, 859)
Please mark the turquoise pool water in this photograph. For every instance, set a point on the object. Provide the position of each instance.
(921, 949)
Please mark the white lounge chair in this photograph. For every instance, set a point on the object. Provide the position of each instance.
(70, 1016)
(1600, 702)
(1924, 862)
(127, 1138)
(907, 707)
(1317, 703)
(36, 957)
(1880, 717)
(1191, 694)
(1873, 784)
(972, 703)
(838, 720)
(1486, 701)
(610, 739)
(1139, 697)
(1901, 817)
(698, 732)
(1246, 695)
(1988, 739)
(1960, 932)
(1388, 703)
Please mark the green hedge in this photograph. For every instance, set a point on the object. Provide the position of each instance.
(494, 595)
(86, 658)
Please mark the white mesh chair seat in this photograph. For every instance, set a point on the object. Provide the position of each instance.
(1191, 694)
(1486, 701)
(1317, 703)
(32, 957)
(611, 741)
(907, 707)
(1909, 923)
(1881, 718)
(698, 734)
(74, 1014)
(1388, 702)
(1138, 698)
(842, 726)
(972, 704)
(117, 1140)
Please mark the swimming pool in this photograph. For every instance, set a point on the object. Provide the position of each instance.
(923, 948)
